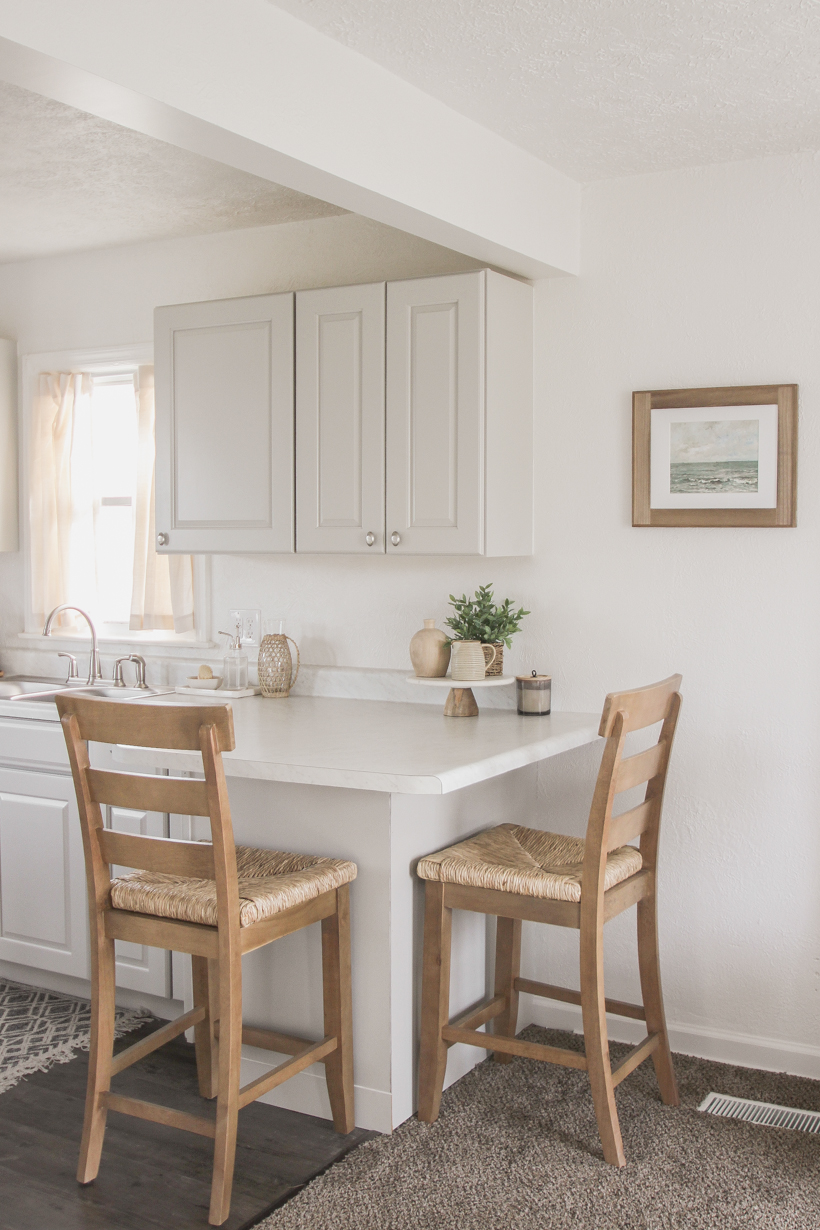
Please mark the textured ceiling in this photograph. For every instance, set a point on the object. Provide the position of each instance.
(70, 181)
(600, 88)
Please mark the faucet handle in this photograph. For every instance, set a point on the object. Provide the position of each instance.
(118, 680)
(72, 665)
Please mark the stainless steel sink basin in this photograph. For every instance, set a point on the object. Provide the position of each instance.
(26, 688)
(113, 693)
(21, 687)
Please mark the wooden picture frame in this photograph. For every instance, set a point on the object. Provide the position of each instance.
(656, 488)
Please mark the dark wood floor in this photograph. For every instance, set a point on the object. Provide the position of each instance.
(152, 1177)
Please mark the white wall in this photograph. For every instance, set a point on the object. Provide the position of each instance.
(693, 278)
(698, 278)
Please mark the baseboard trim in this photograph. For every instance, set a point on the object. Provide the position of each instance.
(307, 1092)
(744, 1050)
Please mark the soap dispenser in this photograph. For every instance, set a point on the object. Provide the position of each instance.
(235, 668)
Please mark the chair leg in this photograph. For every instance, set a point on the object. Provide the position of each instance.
(102, 1049)
(338, 1006)
(227, 1104)
(596, 1043)
(507, 968)
(435, 1000)
(205, 978)
(649, 964)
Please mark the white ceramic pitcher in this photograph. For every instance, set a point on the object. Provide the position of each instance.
(468, 664)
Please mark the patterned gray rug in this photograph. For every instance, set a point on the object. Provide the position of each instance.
(516, 1148)
(39, 1028)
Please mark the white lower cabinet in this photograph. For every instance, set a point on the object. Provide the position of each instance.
(43, 910)
(43, 894)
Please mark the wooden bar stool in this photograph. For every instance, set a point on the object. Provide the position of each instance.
(215, 901)
(519, 873)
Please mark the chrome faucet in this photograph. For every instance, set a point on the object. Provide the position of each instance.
(139, 665)
(94, 662)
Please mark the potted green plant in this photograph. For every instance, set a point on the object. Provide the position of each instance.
(479, 619)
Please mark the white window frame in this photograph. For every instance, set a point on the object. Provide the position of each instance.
(99, 362)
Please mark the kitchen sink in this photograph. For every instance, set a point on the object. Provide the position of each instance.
(21, 687)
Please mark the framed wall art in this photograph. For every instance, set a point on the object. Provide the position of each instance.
(715, 456)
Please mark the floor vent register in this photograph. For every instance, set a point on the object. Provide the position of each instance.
(761, 1112)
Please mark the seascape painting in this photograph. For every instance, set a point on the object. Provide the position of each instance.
(714, 458)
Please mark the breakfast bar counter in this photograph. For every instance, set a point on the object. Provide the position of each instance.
(381, 783)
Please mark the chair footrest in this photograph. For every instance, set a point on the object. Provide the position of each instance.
(159, 1114)
(154, 1041)
(311, 1053)
(270, 1040)
(635, 1057)
(616, 1006)
(478, 1016)
(514, 1046)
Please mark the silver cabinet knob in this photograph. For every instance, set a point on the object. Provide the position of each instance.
(395, 538)
(370, 538)
(162, 540)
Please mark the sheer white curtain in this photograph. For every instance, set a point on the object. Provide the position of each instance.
(163, 589)
(62, 501)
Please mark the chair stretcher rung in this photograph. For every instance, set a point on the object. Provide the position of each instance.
(477, 1016)
(635, 1057)
(145, 1046)
(159, 1114)
(515, 1046)
(616, 1006)
(303, 1059)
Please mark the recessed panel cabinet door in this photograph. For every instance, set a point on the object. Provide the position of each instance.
(224, 425)
(340, 419)
(137, 966)
(435, 415)
(43, 910)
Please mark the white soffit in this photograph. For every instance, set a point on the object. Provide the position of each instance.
(69, 181)
(604, 88)
(249, 85)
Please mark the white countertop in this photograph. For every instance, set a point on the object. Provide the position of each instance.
(378, 745)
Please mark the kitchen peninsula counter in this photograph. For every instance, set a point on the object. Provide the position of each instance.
(378, 745)
(381, 783)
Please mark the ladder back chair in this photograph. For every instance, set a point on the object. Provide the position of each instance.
(518, 873)
(215, 901)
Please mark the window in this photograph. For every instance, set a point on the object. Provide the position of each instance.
(91, 454)
(114, 479)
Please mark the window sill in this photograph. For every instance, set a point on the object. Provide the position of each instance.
(148, 643)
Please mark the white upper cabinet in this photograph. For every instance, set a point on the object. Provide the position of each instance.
(413, 412)
(224, 406)
(459, 416)
(340, 419)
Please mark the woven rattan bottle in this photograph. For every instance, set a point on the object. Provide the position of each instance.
(276, 673)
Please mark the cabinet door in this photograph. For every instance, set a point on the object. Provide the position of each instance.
(139, 967)
(435, 415)
(224, 406)
(340, 419)
(43, 900)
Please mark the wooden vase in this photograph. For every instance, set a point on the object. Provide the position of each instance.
(429, 652)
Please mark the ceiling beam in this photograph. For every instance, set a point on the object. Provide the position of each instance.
(244, 83)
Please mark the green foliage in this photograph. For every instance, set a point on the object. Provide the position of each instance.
(479, 619)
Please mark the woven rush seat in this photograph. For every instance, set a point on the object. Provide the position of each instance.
(514, 859)
(270, 881)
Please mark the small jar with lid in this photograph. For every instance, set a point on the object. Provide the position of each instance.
(534, 694)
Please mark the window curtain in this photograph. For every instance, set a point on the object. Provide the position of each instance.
(62, 501)
(163, 590)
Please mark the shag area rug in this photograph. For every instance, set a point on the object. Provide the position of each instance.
(516, 1148)
(39, 1028)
